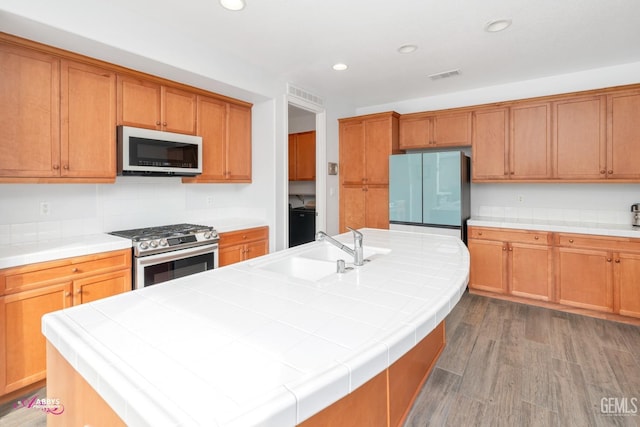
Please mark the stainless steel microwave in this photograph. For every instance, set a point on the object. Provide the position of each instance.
(149, 152)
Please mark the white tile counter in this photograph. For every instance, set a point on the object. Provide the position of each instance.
(242, 346)
(28, 253)
(617, 230)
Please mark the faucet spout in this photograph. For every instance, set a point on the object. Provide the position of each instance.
(356, 252)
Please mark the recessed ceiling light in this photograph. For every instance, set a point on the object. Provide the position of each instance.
(340, 66)
(497, 25)
(233, 4)
(408, 48)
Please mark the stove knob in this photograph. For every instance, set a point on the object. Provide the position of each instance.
(144, 245)
(207, 235)
(163, 242)
(153, 243)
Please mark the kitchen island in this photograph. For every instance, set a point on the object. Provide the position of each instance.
(270, 341)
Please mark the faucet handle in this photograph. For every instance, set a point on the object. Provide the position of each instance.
(357, 234)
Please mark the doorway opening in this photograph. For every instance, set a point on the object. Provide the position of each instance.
(306, 197)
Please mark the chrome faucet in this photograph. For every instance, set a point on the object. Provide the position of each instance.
(357, 252)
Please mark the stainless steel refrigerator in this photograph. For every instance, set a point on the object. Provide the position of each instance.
(430, 192)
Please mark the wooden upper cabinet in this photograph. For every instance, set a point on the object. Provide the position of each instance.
(530, 141)
(579, 133)
(435, 130)
(29, 113)
(149, 105)
(226, 141)
(490, 149)
(623, 135)
(238, 157)
(380, 138)
(88, 109)
(302, 156)
(352, 149)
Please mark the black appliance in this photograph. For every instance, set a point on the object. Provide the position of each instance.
(302, 226)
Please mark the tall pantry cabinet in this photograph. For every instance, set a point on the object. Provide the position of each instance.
(366, 142)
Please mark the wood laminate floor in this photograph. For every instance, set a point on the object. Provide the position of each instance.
(508, 364)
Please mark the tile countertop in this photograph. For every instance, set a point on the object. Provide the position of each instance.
(617, 230)
(242, 346)
(29, 253)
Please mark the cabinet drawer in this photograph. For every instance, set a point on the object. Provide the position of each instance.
(243, 236)
(597, 242)
(510, 235)
(35, 275)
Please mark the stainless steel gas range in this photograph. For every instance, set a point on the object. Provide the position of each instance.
(171, 251)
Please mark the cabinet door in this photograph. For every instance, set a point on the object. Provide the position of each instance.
(488, 271)
(623, 135)
(584, 278)
(452, 130)
(88, 110)
(353, 207)
(292, 157)
(30, 112)
(530, 142)
(580, 138)
(415, 132)
(376, 207)
(22, 346)
(101, 286)
(179, 111)
(256, 249)
(212, 127)
(378, 140)
(627, 279)
(306, 156)
(352, 151)
(490, 146)
(530, 271)
(139, 103)
(230, 254)
(238, 143)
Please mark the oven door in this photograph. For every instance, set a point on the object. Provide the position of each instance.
(154, 269)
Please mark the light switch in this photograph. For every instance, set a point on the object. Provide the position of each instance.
(333, 168)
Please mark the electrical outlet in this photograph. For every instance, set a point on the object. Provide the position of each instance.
(45, 209)
(209, 201)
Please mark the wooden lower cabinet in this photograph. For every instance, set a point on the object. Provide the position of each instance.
(241, 245)
(513, 262)
(586, 274)
(364, 206)
(29, 292)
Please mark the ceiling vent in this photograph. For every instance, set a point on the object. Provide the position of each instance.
(304, 95)
(445, 74)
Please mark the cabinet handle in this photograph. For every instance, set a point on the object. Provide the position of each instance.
(570, 240)
(608, 259)
(504, 248)
(244, 236)
(164, 123)
(510, 249)
(56, 167)
(610, 171)
(79, 291)
(74, 270)
(67, 294)
(480, 233)
(536, 238)
(158, 123)
(65, 167)
(617, 261)
(510, 173)
(602, 171)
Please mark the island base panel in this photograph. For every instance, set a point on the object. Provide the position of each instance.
(82, 404)
(386, 399)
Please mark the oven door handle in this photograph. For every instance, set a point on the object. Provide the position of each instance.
(177, 254)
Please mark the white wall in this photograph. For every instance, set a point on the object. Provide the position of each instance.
(601, 202)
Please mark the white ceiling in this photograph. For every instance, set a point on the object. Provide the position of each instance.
(299, 40)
